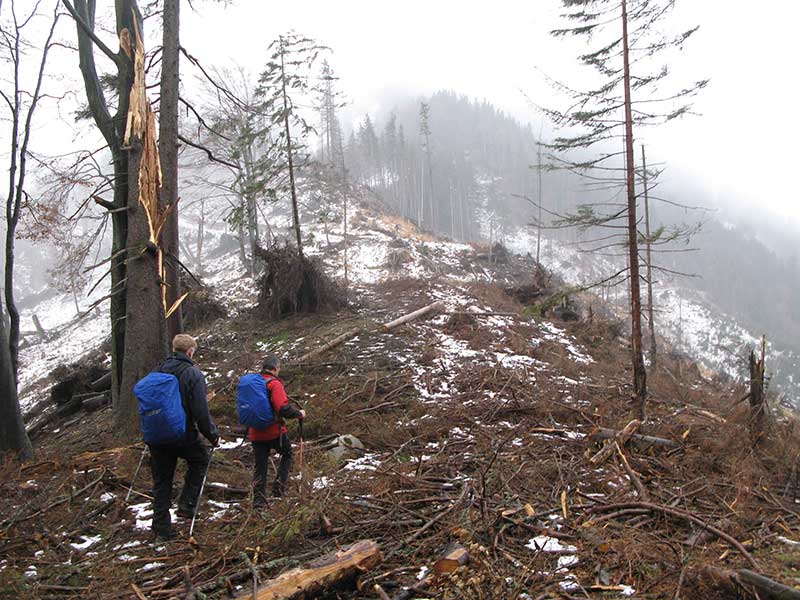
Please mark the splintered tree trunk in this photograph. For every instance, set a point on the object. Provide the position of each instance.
(651, 324)
(325, 573)
(12, 430)
(758, 406)
(145, 332)
(168, 150)
(639, 373)
(145, 323)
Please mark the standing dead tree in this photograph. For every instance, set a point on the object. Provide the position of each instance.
(758, 403)
(628, 97)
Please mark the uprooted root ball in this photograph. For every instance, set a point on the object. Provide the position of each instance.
(292, 284)
(201, 306)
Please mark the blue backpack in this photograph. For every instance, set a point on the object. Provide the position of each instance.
(161, 407)
(252, 402)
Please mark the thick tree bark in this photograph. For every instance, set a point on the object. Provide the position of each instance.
(168, 150)
(145, 335)
(145, 323)
(639, 373)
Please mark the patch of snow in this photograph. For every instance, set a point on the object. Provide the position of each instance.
(320, 483)
(223, 445)
(544, 543)
(368, 462)
(87, 541)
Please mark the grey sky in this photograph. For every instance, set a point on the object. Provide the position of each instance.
(742, 147)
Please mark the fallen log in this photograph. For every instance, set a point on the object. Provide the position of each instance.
(436, 306)
(96, 403)
(755, 584)
(615, 437)
(102, 384)
(332, 570)
(349, 335)
(644, 440)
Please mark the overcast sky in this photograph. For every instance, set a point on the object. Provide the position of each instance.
(742, 148)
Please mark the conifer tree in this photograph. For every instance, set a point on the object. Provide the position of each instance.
(627, 40)
(286, 79)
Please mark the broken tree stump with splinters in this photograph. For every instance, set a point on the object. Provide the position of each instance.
(455, 555)
(619, 437)
(332, 570)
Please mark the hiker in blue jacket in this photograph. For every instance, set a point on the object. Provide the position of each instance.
(164, 457)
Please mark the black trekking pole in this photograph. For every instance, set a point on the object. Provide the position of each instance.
(202, 485)
(135, 474)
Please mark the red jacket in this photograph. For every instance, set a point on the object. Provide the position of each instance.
(278, 399)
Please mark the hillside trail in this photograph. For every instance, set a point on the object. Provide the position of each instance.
(476, 425)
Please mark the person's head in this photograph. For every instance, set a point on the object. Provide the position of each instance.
(271, 364)
(184, 343)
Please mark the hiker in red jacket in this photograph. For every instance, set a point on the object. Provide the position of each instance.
(275, 437)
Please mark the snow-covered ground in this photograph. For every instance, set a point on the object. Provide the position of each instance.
(690, 323)
(683, 318)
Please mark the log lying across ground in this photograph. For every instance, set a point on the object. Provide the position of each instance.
(330, 571)
(614, 437)
(425, 310)
(624, 436)
(349, 335)
(756, 585)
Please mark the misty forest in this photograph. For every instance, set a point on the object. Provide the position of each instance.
(299, 302)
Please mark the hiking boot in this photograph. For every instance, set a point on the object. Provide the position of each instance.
(164, 535)
(277, 490)
(185, 512)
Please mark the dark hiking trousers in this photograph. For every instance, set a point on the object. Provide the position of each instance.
(163, 459)
(282, 446)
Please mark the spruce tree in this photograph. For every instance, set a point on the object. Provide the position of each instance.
(627, 40)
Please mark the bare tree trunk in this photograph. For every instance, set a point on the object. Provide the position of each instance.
(539, 169)
(295, 211)
(201, 234)
(639, 373)
(18, 163)
(168, 150)
(346, 275)
(758, 404)
(651, 324)
(12, 429)
(145, 335)
(242, 252)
